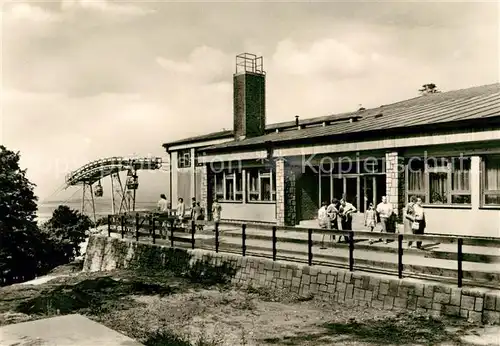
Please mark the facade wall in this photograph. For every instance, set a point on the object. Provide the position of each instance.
(260, 212)
(290, 196)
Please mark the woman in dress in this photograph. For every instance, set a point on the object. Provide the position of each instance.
(409, 217)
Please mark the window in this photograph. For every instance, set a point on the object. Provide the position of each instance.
(228, 186)
(415, 171)
(184, 158)
(439, 180)
(261, 185)
(491, 181)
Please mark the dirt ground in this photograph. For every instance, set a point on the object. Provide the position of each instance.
(164, 309)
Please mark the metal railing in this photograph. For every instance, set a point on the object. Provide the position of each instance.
(191, 234)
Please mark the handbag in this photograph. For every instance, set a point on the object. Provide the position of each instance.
(415, 225)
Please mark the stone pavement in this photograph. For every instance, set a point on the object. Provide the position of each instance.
(68, 330)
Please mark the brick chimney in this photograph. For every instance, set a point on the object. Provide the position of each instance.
(249, 97)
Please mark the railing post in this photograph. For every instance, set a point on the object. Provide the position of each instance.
(136, 227)
(400, 256)
(153, 224)
(172, 233)
(310, 247)
(193, 228)
(351, 251)
(109, 225)
(244, 239)
(459, 261)
(123, 225)
(216, 237)
(274, 243)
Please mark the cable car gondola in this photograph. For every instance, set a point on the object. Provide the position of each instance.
(132, 181)
(98, 190)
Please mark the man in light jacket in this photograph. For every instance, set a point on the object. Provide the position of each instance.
(385, 211)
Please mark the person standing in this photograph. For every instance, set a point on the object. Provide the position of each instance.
(181, 211)
(410, 227)
(193, 205)
(385, 211)
(163, 208)
(333, 212)
(346, 211)
(323, 221)
(420, 219)
(216, 211)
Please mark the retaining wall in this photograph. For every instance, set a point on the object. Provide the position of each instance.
(348, 288)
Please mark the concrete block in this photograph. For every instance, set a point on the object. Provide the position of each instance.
(464, 313)
(489, 302)
(306, 279)
(393, 288)
(384, 288)
(475, 317)
(377, 304)
(313, 288)
(321, 278)
(359, 294)
(456, 295)
(442, 289)
(374, 281)
(400, 303)
(358, 283)
(491, 317)
(314, 279)
(478, 306)
(428, 291)
(451, 310)
(295, 282)
(403, 292)
(424, 303)
(341, 287)
(369, 296)
(330, 279)
(388, 302)
(419, 289)
(348, 277)
(437, 306)
(349, 291)
(323, 288)
(442, 298)
(276, 266)
(468, 303)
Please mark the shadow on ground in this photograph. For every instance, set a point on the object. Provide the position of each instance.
(95, 295)
(405, 329)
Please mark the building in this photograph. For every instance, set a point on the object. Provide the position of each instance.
(442, 147)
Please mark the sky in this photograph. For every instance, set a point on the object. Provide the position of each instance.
(83, 80)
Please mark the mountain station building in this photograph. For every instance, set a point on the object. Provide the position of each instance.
(441, 147)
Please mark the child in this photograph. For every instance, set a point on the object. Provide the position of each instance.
(371, 218)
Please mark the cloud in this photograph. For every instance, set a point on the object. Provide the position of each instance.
(326, 58)
(28, 12)
(204, 64)
(105, 7)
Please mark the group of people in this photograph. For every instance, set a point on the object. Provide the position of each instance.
(196, 213)
(329, 216)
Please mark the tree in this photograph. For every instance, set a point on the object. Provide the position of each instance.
(429, 88)
(18, 228)
(65, 231)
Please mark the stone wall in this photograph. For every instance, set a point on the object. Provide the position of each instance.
(204, 187)
(342, 286)
(280, 192)
(395, 182)
(290, 197)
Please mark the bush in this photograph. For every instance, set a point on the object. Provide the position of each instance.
(63, 234)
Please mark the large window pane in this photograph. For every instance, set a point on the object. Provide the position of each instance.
(492, 182)
(219, 186)
(416, 174)
(438, 187)
(229, 188)
(460, 176)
